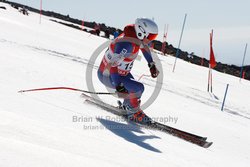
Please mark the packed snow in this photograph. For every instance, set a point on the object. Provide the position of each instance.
(57, 128)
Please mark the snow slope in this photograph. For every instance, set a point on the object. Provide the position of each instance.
(38, 129)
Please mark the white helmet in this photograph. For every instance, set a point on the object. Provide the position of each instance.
(146, 28)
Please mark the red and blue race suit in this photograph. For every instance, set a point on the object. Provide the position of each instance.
(117, 63)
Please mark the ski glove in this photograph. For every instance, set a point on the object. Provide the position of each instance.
(121, 91)
(153, 70)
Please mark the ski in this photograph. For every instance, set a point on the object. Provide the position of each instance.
(195, 139)
(201, 141)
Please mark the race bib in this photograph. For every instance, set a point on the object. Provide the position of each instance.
(125, 67)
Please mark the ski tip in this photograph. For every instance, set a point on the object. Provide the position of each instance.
(207, 144)
(21, 91)
(119, 102)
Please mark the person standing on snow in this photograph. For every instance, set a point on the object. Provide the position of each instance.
(114, 70)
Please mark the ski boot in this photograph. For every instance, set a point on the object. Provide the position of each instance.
(137, 116)
(140, 117)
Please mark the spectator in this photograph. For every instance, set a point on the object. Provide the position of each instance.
(24, 11)
(107, 33)
(116, 34)
(97, 29)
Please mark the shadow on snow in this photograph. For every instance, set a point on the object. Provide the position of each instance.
(126, 131)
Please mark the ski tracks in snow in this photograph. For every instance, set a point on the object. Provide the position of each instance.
(187, 92)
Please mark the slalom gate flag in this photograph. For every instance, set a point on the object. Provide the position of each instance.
(82, 24)
(212, 61)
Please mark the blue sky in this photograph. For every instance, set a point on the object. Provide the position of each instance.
(230, 21)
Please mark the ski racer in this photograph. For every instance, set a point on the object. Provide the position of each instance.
(115, 67)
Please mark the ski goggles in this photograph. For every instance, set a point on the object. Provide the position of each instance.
(151, 36)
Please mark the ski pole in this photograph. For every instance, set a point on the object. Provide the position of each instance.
(143, 75)
(65, 88)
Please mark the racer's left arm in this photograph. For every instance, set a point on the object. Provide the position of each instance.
(151, 64)
(147, 53)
